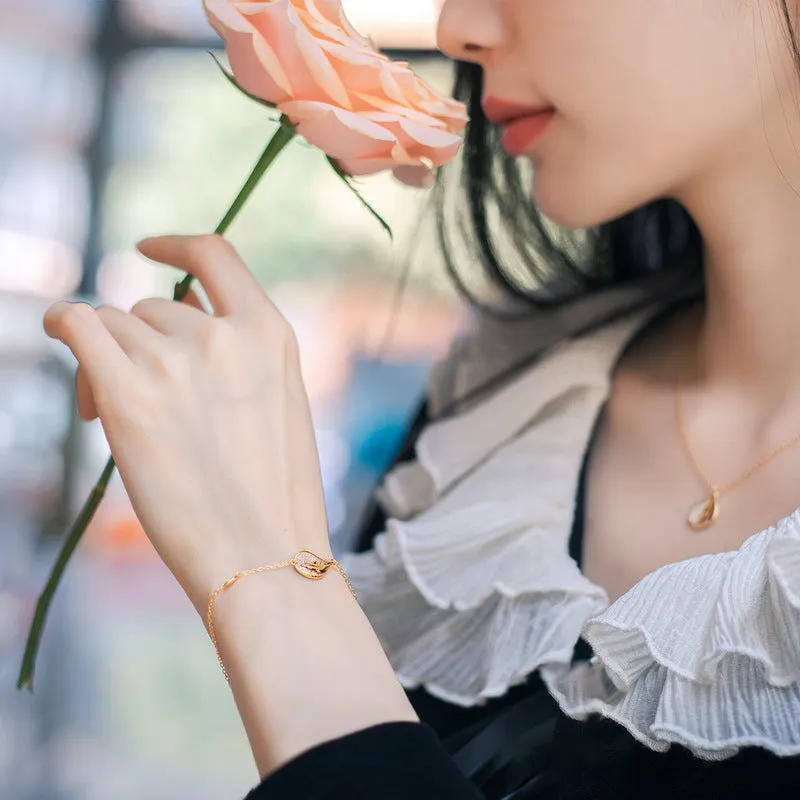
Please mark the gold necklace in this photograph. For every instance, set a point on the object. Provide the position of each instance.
(704, 514)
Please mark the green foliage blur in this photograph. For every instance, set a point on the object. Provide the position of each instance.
(183, 142)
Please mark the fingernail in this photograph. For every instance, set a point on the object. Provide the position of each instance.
(145, 246)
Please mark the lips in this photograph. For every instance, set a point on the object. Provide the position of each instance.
(523, 124)
(501, 112)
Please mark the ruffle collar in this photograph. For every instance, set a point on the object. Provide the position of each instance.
(471, 587)
(704, 653)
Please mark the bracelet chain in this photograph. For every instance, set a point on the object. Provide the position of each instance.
(305, 563)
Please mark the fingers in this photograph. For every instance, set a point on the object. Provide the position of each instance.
(229, 284)
(173, 319)
(80, 328)
(107, 343)
(138, 340)
(134, 335)
(193, 300)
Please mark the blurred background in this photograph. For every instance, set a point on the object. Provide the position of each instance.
(114, 125)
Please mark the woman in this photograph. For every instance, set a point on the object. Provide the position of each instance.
(640, 421)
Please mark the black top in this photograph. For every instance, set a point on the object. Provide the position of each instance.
(517, 747)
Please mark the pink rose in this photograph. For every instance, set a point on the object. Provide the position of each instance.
(364, 110)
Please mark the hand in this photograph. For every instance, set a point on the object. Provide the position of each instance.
(206, 415)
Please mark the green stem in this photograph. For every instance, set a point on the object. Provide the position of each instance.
(281, 138)
(43, 605)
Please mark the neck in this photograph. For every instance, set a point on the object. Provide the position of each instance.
(751, 327)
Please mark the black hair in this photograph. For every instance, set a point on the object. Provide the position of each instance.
(491, 215)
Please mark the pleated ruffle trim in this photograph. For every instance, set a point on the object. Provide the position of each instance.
(704, 653)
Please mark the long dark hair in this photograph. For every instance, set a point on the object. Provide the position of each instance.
(489, 216)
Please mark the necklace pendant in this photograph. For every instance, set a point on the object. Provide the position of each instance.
(704, 514)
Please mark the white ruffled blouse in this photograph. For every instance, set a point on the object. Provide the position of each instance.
(471, 587)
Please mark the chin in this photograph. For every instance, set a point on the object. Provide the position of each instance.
(577, 201)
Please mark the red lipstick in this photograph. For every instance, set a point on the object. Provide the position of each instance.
(523, 124)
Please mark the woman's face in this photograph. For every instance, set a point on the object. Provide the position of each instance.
(650, 96)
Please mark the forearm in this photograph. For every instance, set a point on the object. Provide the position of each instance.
(305, 666)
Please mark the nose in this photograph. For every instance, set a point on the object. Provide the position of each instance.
(469, 30)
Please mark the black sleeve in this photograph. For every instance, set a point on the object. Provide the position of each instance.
(395, 761)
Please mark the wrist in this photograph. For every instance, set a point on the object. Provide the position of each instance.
(229, 569)
(303, 584)
(306, 565)
(303, 662)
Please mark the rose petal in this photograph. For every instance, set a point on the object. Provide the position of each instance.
(412, 85)
(223, 17)
(438, 146)
(249, 59)
(278, 25)
(429, 136)
(412, 134)
(347, 26)
(350, 55)
(380, 111)
(454, 119)
(267, 56)
(402, 156)
(330, 12)
(344, 95)
(318, 65)
(339, 133)
(328, 27)
(256, 67)
(420, 177)
(364, 166)
(391, 86)
(359, 72)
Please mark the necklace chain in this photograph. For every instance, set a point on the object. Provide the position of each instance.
(710, 508)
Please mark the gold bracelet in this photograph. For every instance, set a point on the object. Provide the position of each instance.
(305, 563)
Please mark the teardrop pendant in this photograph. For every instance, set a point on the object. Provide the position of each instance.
(704, 514)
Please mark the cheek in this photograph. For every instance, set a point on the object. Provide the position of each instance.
(585, 176)
(660, 88)
(644, 141)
